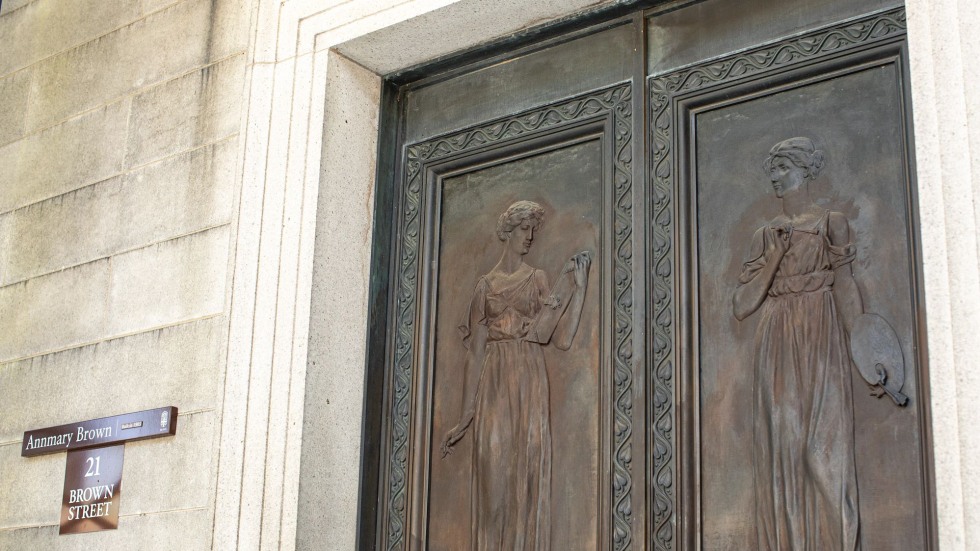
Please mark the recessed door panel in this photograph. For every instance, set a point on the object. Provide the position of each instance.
(800, 408)
(567, 185)
(862, 182)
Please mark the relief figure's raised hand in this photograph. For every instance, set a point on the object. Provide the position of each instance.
(582, 263)
(778, 241)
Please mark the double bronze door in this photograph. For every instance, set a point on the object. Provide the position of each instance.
(654, 284)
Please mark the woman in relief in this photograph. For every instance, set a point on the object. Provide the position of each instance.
(506, 397)
(799, 276)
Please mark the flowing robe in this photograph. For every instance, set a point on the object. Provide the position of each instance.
(805, 476)
(511, 463)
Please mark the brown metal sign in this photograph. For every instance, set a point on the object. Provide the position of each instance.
(93, 481)
(127, 427)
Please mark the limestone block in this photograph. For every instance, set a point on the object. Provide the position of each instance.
(46, 27)
(31, 487)
(229, 28)
(188, 530)
(151, 50)
(62, 158)
(198, 108)
(176, 280)
(179, 366)
(171, 472)
(13, 104)
(339, 306)
(175, 197)
(10, 5)
(149, 6)
(54, 311)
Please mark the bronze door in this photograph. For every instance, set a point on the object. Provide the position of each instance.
(651, 282)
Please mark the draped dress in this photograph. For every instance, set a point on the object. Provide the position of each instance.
(511, 463)
(805, 476)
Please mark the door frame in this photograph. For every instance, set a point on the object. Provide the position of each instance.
(297, 77)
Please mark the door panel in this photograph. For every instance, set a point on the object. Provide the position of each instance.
(567, 184)
(863, 179)
(707, 29)
(779, 444)
(632, 161)
(550, 419)
(533, 77)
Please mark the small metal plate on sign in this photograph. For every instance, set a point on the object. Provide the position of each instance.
(93, 480)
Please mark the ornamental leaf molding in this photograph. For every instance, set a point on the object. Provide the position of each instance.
(613, 103)
(663, 90)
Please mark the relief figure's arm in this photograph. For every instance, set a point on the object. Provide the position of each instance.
(475, 340)
(569, 322)
(847, 295)
(475, 358)
(750, 295)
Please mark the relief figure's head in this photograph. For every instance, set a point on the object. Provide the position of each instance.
(792, 163)
(517, 225)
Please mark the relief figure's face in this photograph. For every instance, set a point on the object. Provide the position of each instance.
(786, 176)
(522, 236)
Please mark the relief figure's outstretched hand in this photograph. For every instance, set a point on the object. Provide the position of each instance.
(568, 323)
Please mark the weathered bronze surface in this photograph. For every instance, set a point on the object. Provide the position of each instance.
(800, 245)
(798, 276)
(506, 400)
(515, 430)
(762, 389)
(534, 409)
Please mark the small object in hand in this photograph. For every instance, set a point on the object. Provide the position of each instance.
(877, 352)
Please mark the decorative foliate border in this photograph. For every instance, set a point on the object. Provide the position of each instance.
(782, 55)
(614, 102)
(622, 481)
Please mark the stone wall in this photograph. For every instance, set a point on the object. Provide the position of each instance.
(944, 47)
(119, 168)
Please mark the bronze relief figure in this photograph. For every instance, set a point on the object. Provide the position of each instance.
(799, 278)
(511, 316)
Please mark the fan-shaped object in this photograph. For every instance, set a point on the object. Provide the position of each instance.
(877, 353)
